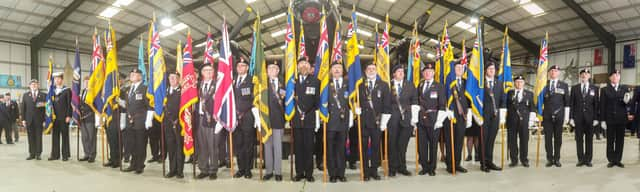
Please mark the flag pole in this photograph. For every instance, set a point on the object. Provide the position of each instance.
(357, 101)
(231, 152)
(386, 152)
(78, 139)
(259, 153)
(102, 140)
(163, 152)
(417, 152)
(538, 145)
(324, 152)
(291, 160)
(502, 143)
(120, 145)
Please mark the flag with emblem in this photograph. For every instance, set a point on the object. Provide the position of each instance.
(224, 105)
(322, 60)
(290, 66)
(541, 76)
(157, 89)
(260, 82)
(353, 61)
(111, 85)
(413, 68)
(382, 53)
(302, 51)
(141, 66)
(96, 77)
(504, 73)
(50, 115)
(188, 97)
(76, 87)
(475, 78)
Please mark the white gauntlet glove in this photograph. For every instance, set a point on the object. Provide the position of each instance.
(503, 115)
(572, 123)
(121, 102)
(469, 118)
(384, 120)
(442, 115)
(149, 121)
(566, 115)
(123, 121)
(218, 128)
(532, 119)
(358, 111)
(415, 109)
(595, 123)
(256, 118)
(317, 121)
(350, 120)
(603, 125)
(97, 121)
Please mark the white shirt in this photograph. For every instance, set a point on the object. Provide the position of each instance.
(615, 86)
(206, 85)
(372, 83)
(337, 82)
(59, 89)
(240, 79)
(490, 82)
(172, 89)
(584, 87)
(519, 93)
(134, 86)
(398, 85)
(426, 85)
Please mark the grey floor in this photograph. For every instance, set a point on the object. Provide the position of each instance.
(17, 174)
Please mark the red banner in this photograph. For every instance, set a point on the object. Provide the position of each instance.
(597, 56)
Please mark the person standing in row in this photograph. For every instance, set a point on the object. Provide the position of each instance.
(404, 116)
(520, 116)
(584, 116)
(33, 104)
(139, 121)
(62, 111)
(273, 146)
(432, 101)
(494, 114)
(304, 121)
(244, 136)
(14, 115)
(462, 115)
(340, 119)
(206, 138)
(88, 126)
(555, 114)
(173, 140)
(4, 120)
(614, 100)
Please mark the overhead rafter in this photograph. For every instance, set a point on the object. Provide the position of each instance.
(529, 45)
(175, 13)
(608, 39)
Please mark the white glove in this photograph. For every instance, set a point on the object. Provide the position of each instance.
(440, 119)
(384, 120)
(149, 121)
(595, 123)
(123, 121)
(503, 115)
(572, 123)
(531, 124)
(415, 109)
(566, 115)
(449, 114)
(256, 118)
(603, 125)
(626, 98)
(317, 121)
(98, 122)
(218, 128)
(532, 118)
(350, 120)
(358, 111)
(122, 103)
(469, 118)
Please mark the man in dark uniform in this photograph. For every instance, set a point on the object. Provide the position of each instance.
(14, 115)
(304, 120)
(138, 121)
(493, 114)
(555, 115)
(4, 120)
(172, 130)
(461, 111)
(62, 110)
(614, 100)
(375, 112)
(340, 119)
(404, 116)
(33, 103)
(154, 134)
(88, 123)
(520, 116)
(206, 138)
(273, 146)
(432, 101)
(121, 122)
(245, 134)
(583, 116)
(117, 138)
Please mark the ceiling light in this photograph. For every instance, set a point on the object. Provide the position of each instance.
(368, 17)
(273, 18)
(278, 33)
(365, 33)
(433, 41)
(249, 1)
(201, 44)
(391, 1)
(167, 32)
(533, 8)
(173, 29)
(521, 1)
(473, 20)
(430, 55)
(120, 3)
(109, 12)
(465, 26)
(179, 26)
(166, 22)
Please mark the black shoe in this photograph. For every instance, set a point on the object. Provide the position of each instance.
(115, 165)
(320, 167)
(30, 158)
(525, 164)
(108, 164)
(139, 171)
(375, 176)
(213, 176)
(404, 172)
(549, 164)
(267, 177)
(278, 177)
(352, 166)
(432, 173)
(53, 158)
(179, 175)
(128, 169)
(152, 160)
(558, 164)
(485, 169)
(620, 165)
(493, 167)
(170, 175)
(588, 164)
(9, 143)
(238, 174)
(392, 174)
(342, 179)
(202, 176)
(84, 159)
(423, 172)
(580, 164)
(513, 164)
(461, 169)
(91, 160)
(333, 179)
(468, 158)
(126, 160)
(65, 159)
(610, 164)
(248, 175)
(298, 177)
(366, 178)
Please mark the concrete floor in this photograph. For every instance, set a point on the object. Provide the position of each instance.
(21, 175)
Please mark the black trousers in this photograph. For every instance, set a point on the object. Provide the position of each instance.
(584, 140)
(244, 140)
(138, 148)
(354, 154)
(60, 130)
(459, 129)
(428, 147)
(336, 153)
(223, 146)
(34, 135)
(371, 137)
(318, 146)
(399, 136)
(489, 133)
(518, 148)
(552, 137)
(173, 142)
(154, 133)
(303, 147)
(114, 139)
(7, 131)
(615, 141)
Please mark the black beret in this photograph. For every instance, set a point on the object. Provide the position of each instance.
(519, 77)
(396, 68)
(8, 94)
(136, 70)
(585, 70)
(33, 81)
(553, 67)
(615, 71)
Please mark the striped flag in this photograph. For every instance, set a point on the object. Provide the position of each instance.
(111, 88)
(188, 97)
(413, 72)
(157, 89)
(75, 87)
(382, 53)
(291, 68)
(541, 76)
(336, 53)
(504, 73)
(302, 51)
(353, 61)
(322, 60)
(260, 82)
(96, 77)
(208, 50)
(224, 105)
(141, 66)
(50, 115)
(475, 79)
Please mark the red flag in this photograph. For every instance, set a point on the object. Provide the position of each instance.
(224, 106)
(188, 98)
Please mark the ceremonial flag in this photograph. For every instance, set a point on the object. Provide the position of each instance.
(475, 78)
(382, 53)
(157, 89)
(179, 58)
(291, 67)
(50, 115)
(322, 60)
(413, 72)
(302, 51)
(541, 76)
(224, 105)
(111, 85)
(141, 66)
(336, 53)
(504, 74)
(188, 97)
(260, 82)
(96, 77)
(439, 75)
(75, 87)
(208, 50)
(447, 52)
(353, 61)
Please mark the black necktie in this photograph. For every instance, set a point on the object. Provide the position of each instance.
(553, 86)
(133, 90)
(491, 85)
(370, 85)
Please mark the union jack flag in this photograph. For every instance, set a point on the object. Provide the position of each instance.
(208, 50)
(224, 106)
(337, 46)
